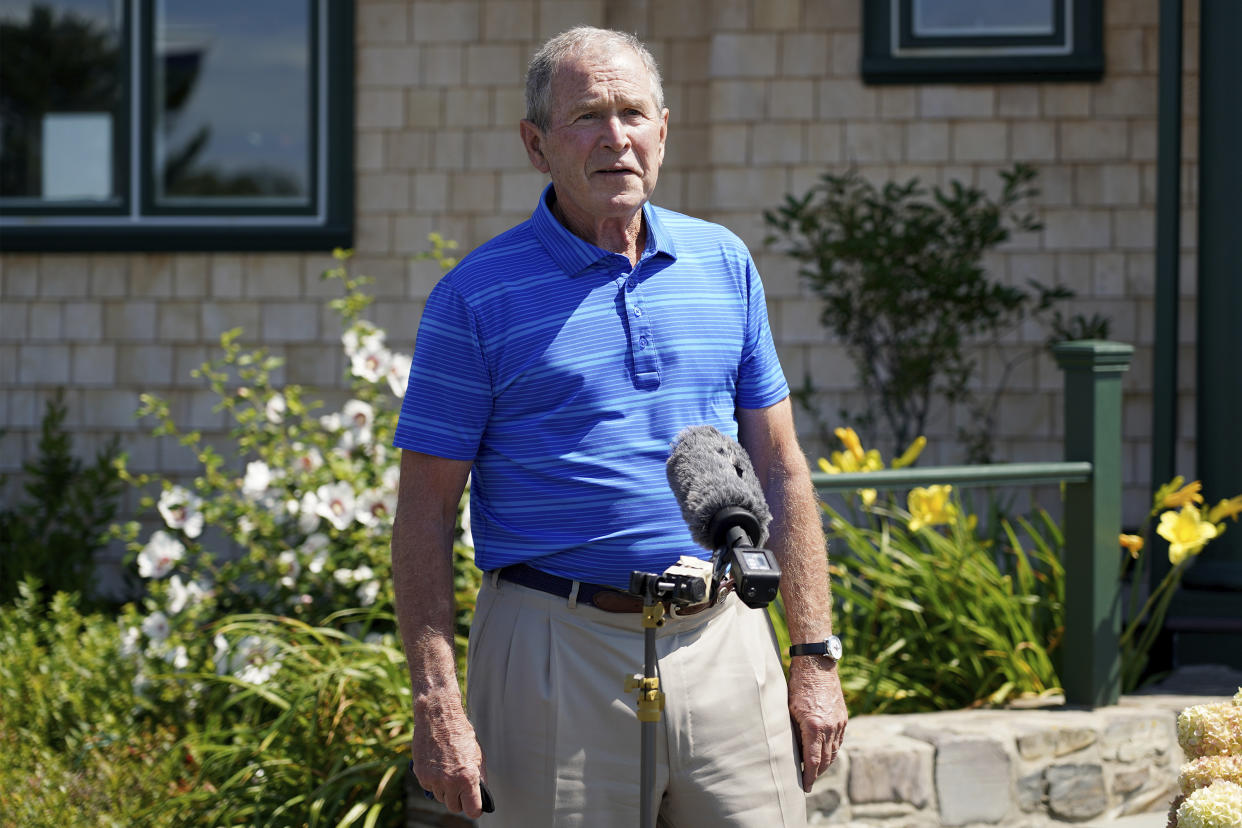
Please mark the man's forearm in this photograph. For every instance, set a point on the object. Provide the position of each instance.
(422, 571)
(798, 542)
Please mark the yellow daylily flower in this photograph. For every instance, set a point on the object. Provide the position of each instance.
(845, 461)
(850, 438)
(1230, 508)
(930, 506)
(1134, 543)
(1190, 493)
(872, 461)
(868, 497)
(911, 453)
(827, 467)
(1186, 531)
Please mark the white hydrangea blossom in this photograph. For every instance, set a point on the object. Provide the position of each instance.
(161, 553)
(1219, 805)
(181, 509)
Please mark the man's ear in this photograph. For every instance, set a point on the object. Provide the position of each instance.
(532, 139)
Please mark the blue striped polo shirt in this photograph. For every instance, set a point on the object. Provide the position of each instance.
(564, 374)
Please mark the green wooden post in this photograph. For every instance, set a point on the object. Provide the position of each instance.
(1091, 663)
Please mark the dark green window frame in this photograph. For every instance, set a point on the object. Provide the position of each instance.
(135, 222)
(894, 53)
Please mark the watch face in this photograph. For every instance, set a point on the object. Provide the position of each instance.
(834, 649)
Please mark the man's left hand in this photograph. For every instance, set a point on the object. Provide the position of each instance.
(817, 706)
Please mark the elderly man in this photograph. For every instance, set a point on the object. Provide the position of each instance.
(556, 363)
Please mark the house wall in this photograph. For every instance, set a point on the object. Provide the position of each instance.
(765, 95)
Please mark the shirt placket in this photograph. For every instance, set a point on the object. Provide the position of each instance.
(643, 346)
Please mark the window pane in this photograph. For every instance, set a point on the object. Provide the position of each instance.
(60, 93)
(947, 18)
(232, 81)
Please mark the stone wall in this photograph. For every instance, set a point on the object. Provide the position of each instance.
(764, 96)
(1010, 768)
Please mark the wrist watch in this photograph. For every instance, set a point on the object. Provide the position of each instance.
(830, 648)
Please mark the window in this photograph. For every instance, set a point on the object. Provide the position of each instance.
(982, 40)
(176, 124)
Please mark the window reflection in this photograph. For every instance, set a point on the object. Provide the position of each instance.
(61, 80)
(232, 91)
(940, 18)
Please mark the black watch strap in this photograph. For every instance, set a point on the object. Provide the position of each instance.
(829, 647)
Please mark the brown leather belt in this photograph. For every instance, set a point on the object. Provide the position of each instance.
(606, 598)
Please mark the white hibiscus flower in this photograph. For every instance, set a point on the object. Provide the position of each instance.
(362, 336)
(290, 566)
(367, 593)
(398, 373)
(308, 512)
(258, 478)
(376, 507)
(336, 504)
(276, 408)
(306, 460)
(315, 548)
(181, 509)
(182, 594)
(371, 365)
(155, 627)
(251, 660)
(130, 638)
(357, 418)
(160, 554)
(178, 657)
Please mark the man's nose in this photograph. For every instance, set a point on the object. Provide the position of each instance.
(616, 137)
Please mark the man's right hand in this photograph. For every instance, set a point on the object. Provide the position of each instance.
(447, 758)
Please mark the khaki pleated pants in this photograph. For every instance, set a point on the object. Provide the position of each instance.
(561, 738)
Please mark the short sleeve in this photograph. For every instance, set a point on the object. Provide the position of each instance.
(449, 396)
(761, 382)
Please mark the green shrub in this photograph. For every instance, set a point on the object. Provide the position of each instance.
(54, 535)
(899, 270)
(76, 748)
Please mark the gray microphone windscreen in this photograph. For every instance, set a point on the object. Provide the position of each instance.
(709, 472)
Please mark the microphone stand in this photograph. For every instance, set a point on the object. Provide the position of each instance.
(650, 704)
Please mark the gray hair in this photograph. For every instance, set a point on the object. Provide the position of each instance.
(570, 44)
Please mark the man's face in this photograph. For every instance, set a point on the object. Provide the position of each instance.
(605, 139)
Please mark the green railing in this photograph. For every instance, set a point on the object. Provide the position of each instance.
(1091, 662)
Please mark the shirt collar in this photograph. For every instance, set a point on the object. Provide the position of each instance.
(574, 255)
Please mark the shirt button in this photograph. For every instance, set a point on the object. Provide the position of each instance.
(638, 311)
(642, 342)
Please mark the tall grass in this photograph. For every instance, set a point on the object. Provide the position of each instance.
(323, 742)
(941, 618)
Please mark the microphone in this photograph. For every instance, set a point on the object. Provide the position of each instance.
(723, 504)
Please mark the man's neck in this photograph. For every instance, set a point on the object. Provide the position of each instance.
(625, 236)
